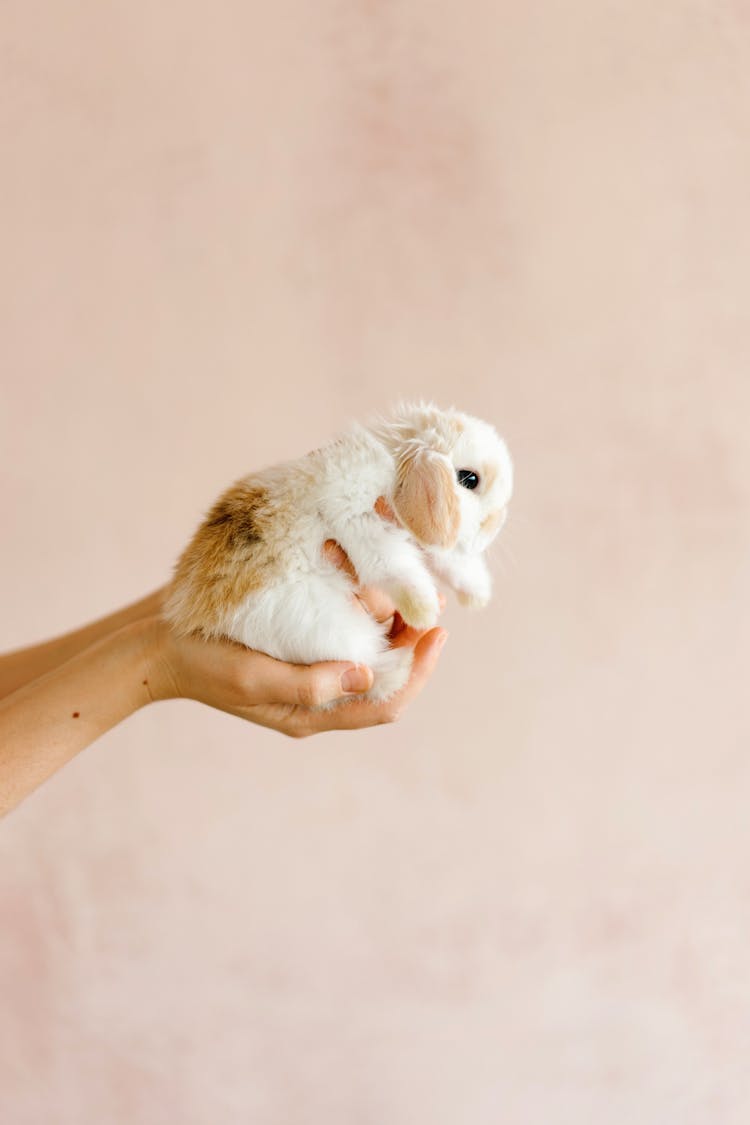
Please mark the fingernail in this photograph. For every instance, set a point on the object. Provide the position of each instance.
(441, 640)
(356, 678)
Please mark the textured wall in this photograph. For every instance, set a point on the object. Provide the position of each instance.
(225, 231)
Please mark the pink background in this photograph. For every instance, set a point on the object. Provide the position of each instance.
(226, 230)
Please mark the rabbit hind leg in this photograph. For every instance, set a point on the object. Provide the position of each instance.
(391, 669)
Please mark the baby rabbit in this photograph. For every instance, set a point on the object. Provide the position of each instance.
(255, 572)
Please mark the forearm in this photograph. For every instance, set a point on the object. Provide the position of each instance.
(26, 664)
(48, 721)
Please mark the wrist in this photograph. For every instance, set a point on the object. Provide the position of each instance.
(156, 639)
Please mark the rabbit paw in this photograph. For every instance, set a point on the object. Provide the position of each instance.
(419, 608)
(392, 670)
(473, 599)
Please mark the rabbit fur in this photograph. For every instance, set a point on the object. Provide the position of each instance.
(254, 571)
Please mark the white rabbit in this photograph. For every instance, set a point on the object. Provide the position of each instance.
(255, 572)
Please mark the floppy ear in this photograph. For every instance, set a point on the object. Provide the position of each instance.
(425, 498)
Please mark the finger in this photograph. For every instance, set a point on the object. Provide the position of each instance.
(398, 626)
(426, 654)
(376, 602)
(384, 510)
(309, 685)
(403, 634)
(336, 554)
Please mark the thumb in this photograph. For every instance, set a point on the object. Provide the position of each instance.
(312, 685)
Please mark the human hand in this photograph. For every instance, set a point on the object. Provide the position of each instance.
(287, 697)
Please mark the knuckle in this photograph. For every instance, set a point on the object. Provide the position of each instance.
(310, 693)
(239, 670)
(239, 679)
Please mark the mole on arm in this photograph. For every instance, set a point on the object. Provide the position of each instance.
(76, 714)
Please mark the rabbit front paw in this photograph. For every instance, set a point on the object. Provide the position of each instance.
(473, 599)
(419, 608)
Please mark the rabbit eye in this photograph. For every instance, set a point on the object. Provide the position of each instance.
(467, 478)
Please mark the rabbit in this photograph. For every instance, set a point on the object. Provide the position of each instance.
(254, 571)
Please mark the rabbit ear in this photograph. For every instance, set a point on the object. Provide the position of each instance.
(425, 498)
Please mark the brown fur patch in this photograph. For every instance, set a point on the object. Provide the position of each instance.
(227, 559)
(425, 499)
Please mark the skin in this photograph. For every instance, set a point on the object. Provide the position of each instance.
(58, 697)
